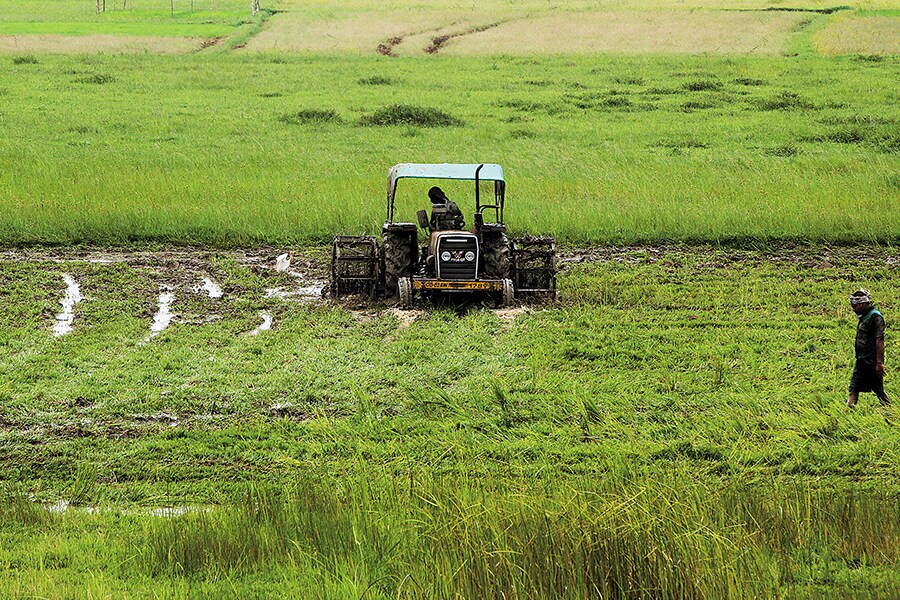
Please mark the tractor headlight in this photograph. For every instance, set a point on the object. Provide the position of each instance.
(470, 256)
(445, 256)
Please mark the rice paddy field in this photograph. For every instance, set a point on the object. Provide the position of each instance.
(178, 419)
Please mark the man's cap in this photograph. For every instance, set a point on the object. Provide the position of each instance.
(860, 296)
(437, 195)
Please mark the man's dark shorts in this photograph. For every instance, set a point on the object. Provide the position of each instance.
(865, 379)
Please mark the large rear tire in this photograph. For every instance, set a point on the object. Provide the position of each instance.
(495, 254)
(399, 258)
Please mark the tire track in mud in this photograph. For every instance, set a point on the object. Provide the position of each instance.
(387, 47)
(438, 42)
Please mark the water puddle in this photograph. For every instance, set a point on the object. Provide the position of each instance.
(211, 288)
(72, 297)
(307, 292)
(163, 315)
(265, 325)
(63, 506)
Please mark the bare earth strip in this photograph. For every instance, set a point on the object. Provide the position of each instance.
(65, 44)
(860, 35)
(347, 32)
(635, 33)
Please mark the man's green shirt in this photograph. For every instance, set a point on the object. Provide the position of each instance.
(869, 329)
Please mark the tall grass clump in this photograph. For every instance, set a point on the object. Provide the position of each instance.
(405, 114)
(703, 85)
(96, 79)
(310, 115)
(16, 509)
(25, 59)
(656, 537)
(784, 101)
(375, 80)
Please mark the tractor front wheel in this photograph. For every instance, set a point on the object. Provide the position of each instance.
(507, 296)
(405, 292)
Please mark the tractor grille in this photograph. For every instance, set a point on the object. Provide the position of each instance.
(457, 267)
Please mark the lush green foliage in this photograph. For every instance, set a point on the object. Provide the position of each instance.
(676, 424)
(197, 149)
(129, 11)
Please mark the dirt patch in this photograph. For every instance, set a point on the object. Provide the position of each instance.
(187, 265)
(347, 30)
(635, 32)
(88, 44)
(439, 41)
(386, 48)
(209, 43)
(866, 35)
(405, 317)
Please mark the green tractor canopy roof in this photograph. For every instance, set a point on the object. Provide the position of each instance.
(470, 172)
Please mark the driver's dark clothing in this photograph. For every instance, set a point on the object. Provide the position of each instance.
(446, 216)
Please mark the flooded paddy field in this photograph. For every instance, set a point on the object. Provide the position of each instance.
(670, 388)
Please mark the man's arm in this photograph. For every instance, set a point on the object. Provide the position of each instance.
(879, 356)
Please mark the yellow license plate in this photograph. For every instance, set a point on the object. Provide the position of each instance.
(454, 285)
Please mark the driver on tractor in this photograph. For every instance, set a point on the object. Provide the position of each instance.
(445, 214)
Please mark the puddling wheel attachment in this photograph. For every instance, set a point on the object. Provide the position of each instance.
(534, 267)
(355, 265)
(405, 292)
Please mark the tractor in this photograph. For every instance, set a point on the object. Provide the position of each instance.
(453, 261)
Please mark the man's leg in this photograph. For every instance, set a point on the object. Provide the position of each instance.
(883, 397)
(854, 387)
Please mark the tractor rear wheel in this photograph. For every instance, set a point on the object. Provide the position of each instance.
(495, 254)
(400, 256)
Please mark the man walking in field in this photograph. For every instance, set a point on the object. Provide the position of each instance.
(868, 375)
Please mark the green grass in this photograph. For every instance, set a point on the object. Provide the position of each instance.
(83, 28)
(606, 149)
(675, 425)
(136, 11)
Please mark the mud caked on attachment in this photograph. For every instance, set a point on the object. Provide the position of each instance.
(355, 267)
(534, 266)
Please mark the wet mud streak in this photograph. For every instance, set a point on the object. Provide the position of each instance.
(209, 43)
(211, 288)
(265, 325)
(386, 48)
(307, 292)
(67, 316)
(163, 315)
(438, 42)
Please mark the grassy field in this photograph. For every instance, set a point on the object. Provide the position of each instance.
(673, 428)
(676, 426)
(275, 148)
